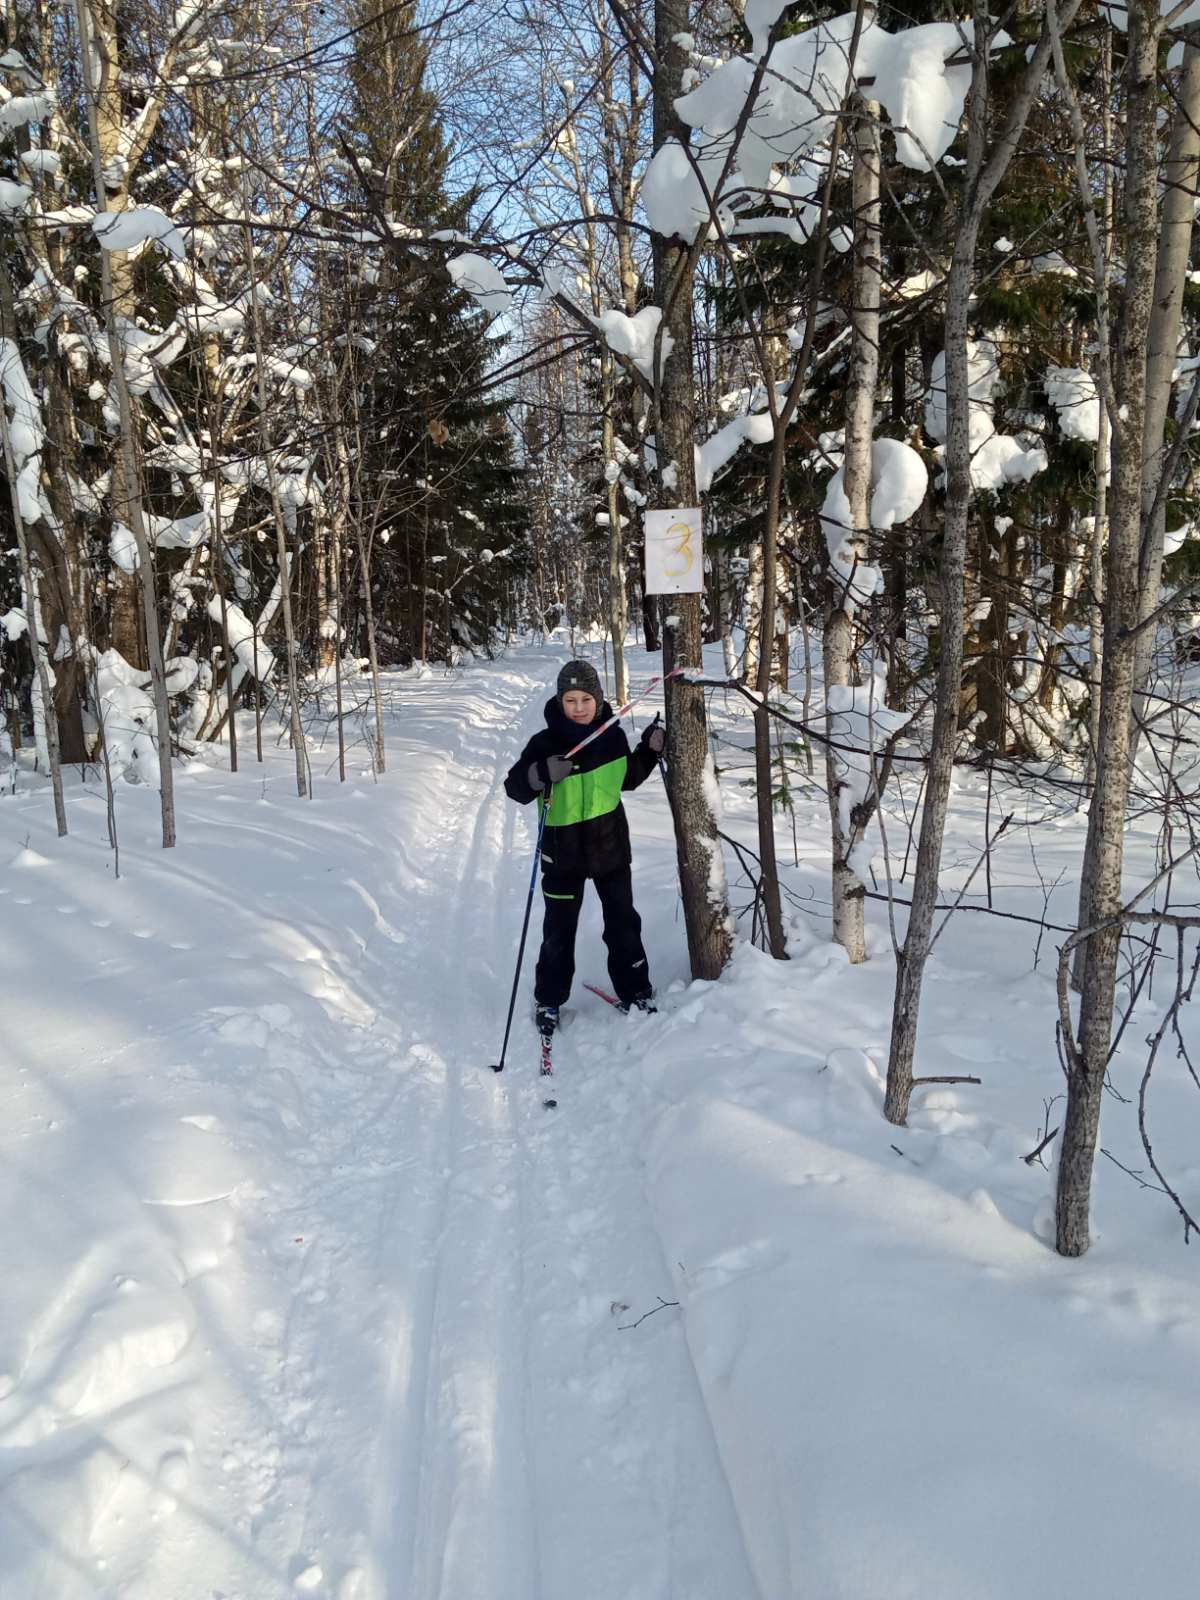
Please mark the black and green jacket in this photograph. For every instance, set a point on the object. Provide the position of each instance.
(586, 834)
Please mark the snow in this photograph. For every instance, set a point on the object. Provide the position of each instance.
(128, 719)
(923, 97)
(14, 197)
(122, 548)
(306, 1300)
(126, 230)
(760, 17)
(44, 162)
(25, 431)
(482, 280)
(796, 105)
(899, 482)
(996, 459)
(634, 336)
(25, 108)
(672, 194)
(720, 448)
(241, 639)
(1073, 394)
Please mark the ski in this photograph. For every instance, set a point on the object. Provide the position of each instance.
(547, 1069)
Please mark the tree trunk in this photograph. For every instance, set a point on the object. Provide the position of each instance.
(849, 928)
(981, 180)
(1088, 1059)
(1174, 251)
(42, 691)
(701, 864)
(125, 467)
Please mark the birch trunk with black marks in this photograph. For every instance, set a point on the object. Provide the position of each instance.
(849, 928)
(126, 478)
(296, 727)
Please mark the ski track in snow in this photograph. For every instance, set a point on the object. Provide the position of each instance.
(407, 1310)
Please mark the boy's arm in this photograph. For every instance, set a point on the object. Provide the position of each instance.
(516, 785)
(642, 762)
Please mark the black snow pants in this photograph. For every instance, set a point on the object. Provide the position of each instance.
(563, 898)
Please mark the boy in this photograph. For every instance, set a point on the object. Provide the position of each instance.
(586, 836)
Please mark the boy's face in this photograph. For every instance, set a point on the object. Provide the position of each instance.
(578, 706)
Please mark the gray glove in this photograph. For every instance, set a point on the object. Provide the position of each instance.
(655, 738)
(552, 770)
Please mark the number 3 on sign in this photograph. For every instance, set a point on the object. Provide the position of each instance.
(681, 557)
(674, 551)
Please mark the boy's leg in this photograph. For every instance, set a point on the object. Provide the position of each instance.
(562, 898)
(627, 966)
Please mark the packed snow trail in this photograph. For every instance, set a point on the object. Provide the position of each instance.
(375, 1340)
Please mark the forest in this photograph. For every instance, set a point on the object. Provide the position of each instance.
(347, 349)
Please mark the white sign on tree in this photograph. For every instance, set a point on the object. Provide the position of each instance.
(674, 551)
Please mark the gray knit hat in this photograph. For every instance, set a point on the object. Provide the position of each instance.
(580, 675)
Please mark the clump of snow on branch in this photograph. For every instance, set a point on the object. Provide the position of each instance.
(14, 197)
(634, 336)
(127, 230)
(719, 449)
(997, 459)
(860, 724)
(672, 194)
(899, 481)
(257, 661)
(914, 74)
(482, 280)
(25, 431)
(1073, 394)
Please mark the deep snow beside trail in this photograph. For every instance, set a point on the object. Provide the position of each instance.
(305, 1301)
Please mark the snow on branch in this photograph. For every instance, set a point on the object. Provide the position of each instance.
(26, 433)
(899, 481)
(127, 230)
(920, 75)
(997, 459)
(482, 280)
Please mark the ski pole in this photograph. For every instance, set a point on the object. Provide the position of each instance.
(498, 1066)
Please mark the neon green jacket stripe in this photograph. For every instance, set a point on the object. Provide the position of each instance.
(585, 795)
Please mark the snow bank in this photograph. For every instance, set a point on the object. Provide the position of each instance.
(902, 1378)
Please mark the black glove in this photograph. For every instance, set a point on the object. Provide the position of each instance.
(654, 738)
(553, 769)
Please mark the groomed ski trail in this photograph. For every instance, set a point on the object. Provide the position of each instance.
(530, 1444)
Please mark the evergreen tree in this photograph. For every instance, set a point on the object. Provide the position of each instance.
(438, 476)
